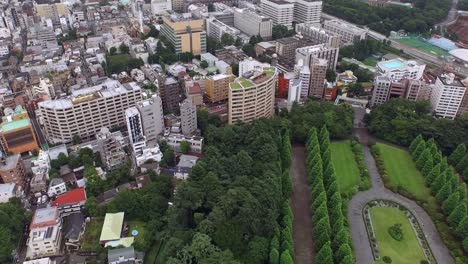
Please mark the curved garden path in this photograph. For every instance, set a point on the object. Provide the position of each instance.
(302, 224)
(358, 231)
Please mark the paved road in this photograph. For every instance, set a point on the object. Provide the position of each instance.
(378, 191)
(302, 224)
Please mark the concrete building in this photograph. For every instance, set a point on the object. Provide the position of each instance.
(281, 12)
(17, 134)
(149, 153)
(52, 11)
(318, 72)
(349, 33)
(307, 11)
(381, 90)
(217, 87)
(185, 34)
(184, 166)
(252, 24)
(294, 91)
(317, 35)
(111, 147)
(173, 140)
(252, 95)
(12, 170)
(178, 5)
(321, 51)
(56, 187)
(286, 47)
(188, 117)
(447, 96)
(170, 94)
(87, 110)
(216, 29)
(135, 130)
(45, 236)
(384, 89)
(303, 73)
(152, 117)
(160, 7)
(249, 64)
(398, 69)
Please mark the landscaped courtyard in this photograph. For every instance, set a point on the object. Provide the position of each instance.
(346, 169)
(405, 251)
(402, 172)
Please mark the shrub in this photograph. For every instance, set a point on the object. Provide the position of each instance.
(396, 232)
(424, 261)
(387, 259)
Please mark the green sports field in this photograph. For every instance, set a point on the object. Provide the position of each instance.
(420, 44)
(406, 251)
(346, 169)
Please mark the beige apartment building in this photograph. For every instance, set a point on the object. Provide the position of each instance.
(217, 87)
(87, 110)
(52, 11)
(185, 34)
(252, 96)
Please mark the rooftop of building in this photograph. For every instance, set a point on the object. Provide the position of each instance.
(115, 255)
(288, 40)
(279, 2)
(10, 162)
(187, 161)
(72, 197)
(44, 217)
(346, 26)
(15, 125)
(7, 187)
(397, 64)
(253, 78)
(109, 88)
(112, 226)
(450, 80)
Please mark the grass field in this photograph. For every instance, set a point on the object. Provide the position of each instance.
(422, 45)
(370, 62)
(92, 234)
(346, 169)
(140, 227)
(402, 172)
(152, 253)
(406, 251)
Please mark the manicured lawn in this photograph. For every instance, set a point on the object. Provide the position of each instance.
(140, 227)
(346, 169)
(370, 62)
(92, 234)
(406, 251)
(402, 171)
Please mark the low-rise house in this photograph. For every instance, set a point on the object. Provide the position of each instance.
(71, 202)
(45, 236)
(112, 227)
(56, 187)
(184, 167)
(174, 139)
(124, 256)
(73, 230)
(38, 183)
(149, 154)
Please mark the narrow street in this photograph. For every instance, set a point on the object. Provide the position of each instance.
(302, 225)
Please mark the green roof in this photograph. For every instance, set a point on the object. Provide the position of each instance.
(112, 227)
(17, 124)
(269, 71)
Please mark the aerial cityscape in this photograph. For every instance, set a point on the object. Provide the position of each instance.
(234, 131)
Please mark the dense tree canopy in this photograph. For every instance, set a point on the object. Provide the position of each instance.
(13, 217)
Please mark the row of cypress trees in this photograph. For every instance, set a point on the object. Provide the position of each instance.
(331, 235)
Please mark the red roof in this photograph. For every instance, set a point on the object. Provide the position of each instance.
(71, 197)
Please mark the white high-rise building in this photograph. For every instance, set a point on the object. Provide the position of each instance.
(250, 64)
(307, 11)
(87, 110)
(152, 118)
(135, 130)
(318, 72)
(398, 69)
(188, 117)
(216, 29)
(447, 96)
(294, 91)
(252, 23)
(321, 51)
(281, 12)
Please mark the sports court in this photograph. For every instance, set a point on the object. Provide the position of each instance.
(420, 44)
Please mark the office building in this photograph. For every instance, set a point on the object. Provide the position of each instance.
(286, 47)
(253, 24)
(381, 90)
(45, 235)
(170, 94)
(303, 73)
(281, 12)
(318, 72)
(216, 29)
(307, 11)
(185, 34)
(349, 33)
(447, 96)
(252, 95)
(17, 133)
(217, 87)
(321, 51)
(87, 110)
(294, 91)
(317, 35)
(152, 117)
(188, 117)
(12, 170)
(398, 69)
